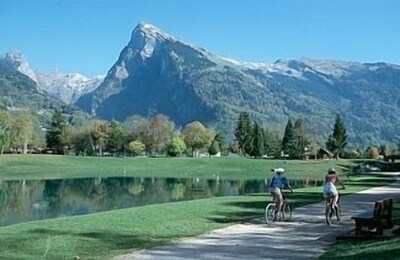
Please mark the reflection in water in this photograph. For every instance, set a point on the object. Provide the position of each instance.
(22, 201)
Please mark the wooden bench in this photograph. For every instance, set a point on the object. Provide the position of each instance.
(379, 219)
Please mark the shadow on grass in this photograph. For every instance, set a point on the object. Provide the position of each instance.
(100, 242)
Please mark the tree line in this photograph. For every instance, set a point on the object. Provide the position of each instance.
(297, 142)
(21, 132)
(137, 135)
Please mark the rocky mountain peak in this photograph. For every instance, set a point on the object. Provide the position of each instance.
(151, 30)
(145, 38)
(16, 60)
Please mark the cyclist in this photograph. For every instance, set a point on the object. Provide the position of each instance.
(330, 191)
(278, 183)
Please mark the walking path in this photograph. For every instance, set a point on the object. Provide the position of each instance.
(306, 236)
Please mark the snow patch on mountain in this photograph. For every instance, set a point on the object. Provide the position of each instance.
(332, 67)
(325, 69)
(280, 67)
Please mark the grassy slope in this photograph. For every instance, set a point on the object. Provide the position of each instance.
(103, 235)
(53, 167)
(388, 248)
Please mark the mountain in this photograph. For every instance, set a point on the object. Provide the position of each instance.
(68, 87)
(16, 60)
(157, 73)
(20, 92)
(148, 81)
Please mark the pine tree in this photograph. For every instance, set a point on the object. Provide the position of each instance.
(287, 137)
(337, 140)
(243, 132)
(299, 141)
(257, 141)
(56, 135)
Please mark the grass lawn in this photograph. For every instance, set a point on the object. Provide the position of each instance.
(388, 248)
(106, 234)
(14, 167)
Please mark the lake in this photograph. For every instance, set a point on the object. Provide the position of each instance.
(27, 200)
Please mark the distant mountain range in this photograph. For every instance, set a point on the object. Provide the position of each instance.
(67, 87)
(157, 73)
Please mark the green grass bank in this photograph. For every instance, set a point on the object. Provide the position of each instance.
(29, 167)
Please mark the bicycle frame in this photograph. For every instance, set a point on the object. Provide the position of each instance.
(329, 200)
(330, 210)
(271, 212)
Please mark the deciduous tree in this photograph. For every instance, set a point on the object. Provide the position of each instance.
(159, 133)
(137, 147)
(5, 131)
(196, 136)
(177, 146)
(116, 137)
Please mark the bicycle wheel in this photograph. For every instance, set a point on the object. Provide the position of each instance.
(287, 211)
(338, 212)
(270, 213)
(328, 214)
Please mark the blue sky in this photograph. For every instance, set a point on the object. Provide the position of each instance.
(87, 35)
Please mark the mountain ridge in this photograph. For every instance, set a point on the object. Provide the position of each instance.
(157, 73)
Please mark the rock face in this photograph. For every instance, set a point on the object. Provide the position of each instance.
(17, 61)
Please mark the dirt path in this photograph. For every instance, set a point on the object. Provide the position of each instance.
(306, 236)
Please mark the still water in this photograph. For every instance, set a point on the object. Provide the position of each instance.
(27, 200)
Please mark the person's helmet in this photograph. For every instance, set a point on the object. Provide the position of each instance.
(279, 170)
(331, 170)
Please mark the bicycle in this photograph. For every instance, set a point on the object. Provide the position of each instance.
(329, 210)
(271, 213)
